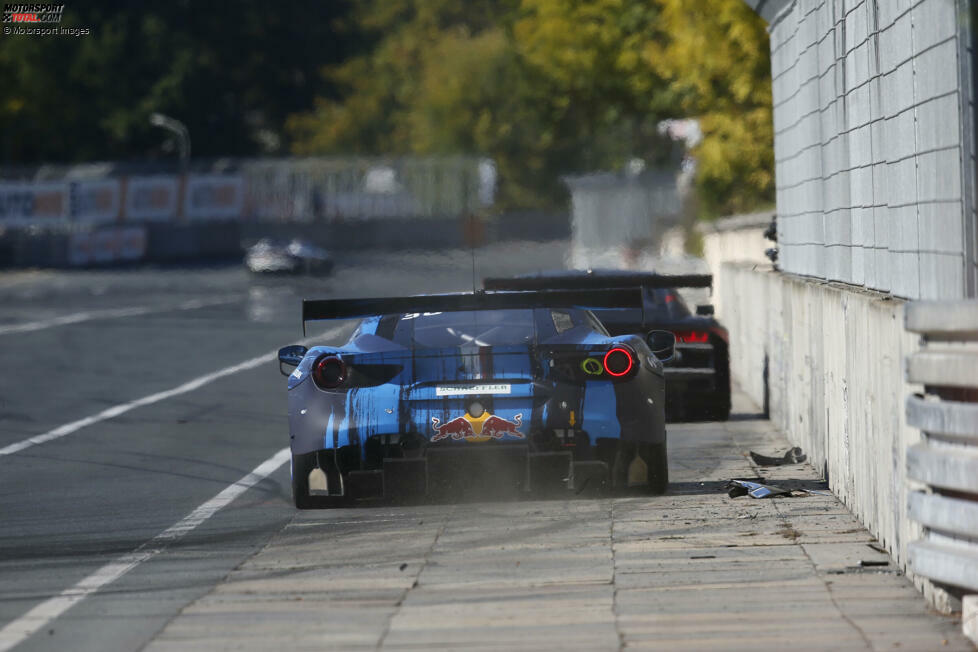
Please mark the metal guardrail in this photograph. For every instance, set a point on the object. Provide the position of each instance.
(947, 459)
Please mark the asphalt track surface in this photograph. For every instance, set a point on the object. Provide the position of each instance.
(145, 501)
(75, 344)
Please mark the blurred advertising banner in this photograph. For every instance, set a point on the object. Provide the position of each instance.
(94, 201)
(106, 246)
(30, 204)
(213, 197)
(24, 204)
(152, 198)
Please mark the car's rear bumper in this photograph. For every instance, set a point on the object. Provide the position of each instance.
(319, 421)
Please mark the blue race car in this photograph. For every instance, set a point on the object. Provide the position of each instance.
(482, 395)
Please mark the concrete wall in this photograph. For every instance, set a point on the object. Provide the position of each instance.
(828, 362)
(874, 124)
(738, 238)
(874, 143)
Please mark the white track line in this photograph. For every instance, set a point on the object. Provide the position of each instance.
(122, 408)
(116, 410)
(37, 618)
(19, 630)
(111, 313)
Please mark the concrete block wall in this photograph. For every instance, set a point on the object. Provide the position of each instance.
(874, 143)
(745, 245)
(827, 361)
(738, 238)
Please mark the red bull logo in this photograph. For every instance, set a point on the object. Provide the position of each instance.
(469, 428)
(457, 428)
(497, 427)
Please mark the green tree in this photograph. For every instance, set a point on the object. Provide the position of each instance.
(517, 82)
(554, 87)
(717, 63)
(231, 72)
(377, 88)
(601, 97)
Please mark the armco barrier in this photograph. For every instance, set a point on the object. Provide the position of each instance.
(946, 461)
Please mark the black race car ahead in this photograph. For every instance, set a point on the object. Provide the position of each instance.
(698, 381)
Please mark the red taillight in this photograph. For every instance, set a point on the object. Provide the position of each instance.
(693, 337)
(618, 362)
(328, 372)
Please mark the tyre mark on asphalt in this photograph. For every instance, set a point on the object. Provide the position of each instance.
(110, 313)
(122, 408)
(37, 618)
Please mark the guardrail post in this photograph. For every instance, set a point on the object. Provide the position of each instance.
(946, 461)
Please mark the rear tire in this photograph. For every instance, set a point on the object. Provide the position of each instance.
(658, 463)
(301, 466)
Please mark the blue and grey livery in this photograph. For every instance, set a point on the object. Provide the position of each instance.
(506, 391)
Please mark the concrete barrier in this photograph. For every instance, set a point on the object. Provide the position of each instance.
(827, 361)
(739, 238)
(945, 461)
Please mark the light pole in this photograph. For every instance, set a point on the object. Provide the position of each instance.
(177, 127)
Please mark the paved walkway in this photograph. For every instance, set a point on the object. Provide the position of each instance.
(692, 570)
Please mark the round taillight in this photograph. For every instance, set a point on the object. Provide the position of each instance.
(328, 372)
(618, 362)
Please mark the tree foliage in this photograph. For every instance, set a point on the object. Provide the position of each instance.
(231, 71)
(717, 64)
(553, 87)
(499, 79)
(544, 87)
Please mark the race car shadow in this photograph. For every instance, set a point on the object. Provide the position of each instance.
(473, 495)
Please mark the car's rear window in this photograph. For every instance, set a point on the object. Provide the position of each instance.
(660, 305)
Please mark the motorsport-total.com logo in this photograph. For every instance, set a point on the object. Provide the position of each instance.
(30, 19)
(32, 13)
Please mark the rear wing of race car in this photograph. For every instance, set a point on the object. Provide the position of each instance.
(599, 282)
(320, 309)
